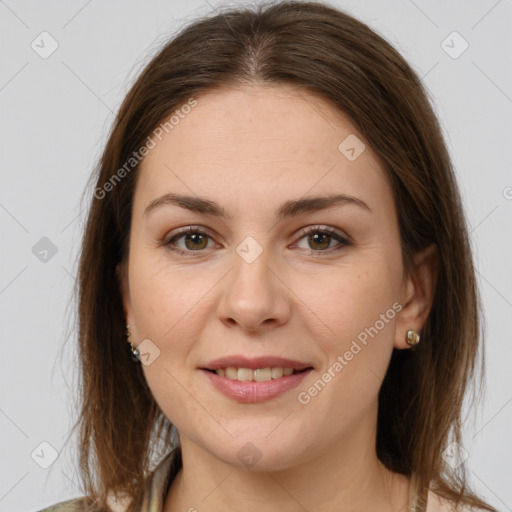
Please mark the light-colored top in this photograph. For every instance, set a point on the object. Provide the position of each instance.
(155, 493)
(160, 480)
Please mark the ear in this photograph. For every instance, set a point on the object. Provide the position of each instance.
(417, 295)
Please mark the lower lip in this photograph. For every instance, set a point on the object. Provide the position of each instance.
(252, 391)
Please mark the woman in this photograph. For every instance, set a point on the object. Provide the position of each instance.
(277, 233)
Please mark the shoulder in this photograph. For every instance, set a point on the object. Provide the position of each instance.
(73, 505)
(85, 504)
(155, 490)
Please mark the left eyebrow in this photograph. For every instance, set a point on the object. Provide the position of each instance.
(287, 209)
(313, 204)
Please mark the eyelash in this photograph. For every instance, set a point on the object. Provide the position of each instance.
(194, 230)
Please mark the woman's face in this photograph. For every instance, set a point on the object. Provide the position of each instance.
(278, 277)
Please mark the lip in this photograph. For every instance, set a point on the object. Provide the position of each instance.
(255, 363)
(252, 391)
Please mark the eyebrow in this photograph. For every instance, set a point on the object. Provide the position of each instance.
(287, 209)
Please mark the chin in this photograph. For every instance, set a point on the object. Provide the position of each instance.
(257, 453)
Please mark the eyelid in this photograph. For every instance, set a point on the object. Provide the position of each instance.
(191, 228)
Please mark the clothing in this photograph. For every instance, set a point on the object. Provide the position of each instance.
(159, 483)
(154, 495)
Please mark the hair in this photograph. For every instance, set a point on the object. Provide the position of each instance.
(321, 50)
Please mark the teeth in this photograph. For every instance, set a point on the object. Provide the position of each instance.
(277, 372)
(231, 373)
(245, 374)
(262, 374)
(259, 375)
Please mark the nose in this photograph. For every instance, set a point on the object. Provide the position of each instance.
(254, 296)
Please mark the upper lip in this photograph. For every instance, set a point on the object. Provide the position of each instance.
(255, 363)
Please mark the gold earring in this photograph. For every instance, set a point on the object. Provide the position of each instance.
(412, 338)
(135, 352)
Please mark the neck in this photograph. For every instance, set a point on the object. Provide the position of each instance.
(346, 477)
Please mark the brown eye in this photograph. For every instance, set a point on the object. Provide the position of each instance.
(319, 240)
(195, 241)
(188, 241)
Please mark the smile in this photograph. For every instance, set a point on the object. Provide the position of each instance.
(248, 389)
(257, 375)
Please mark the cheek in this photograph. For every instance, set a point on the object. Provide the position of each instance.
(357, 358)
(357, 309)
(169, 309)
(347, 301)
(165, 297)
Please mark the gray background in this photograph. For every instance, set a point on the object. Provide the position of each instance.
(55, 113)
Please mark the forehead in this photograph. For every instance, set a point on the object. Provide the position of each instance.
(282, 119)
(237, 140)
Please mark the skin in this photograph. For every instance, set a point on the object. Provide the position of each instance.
(250, 149)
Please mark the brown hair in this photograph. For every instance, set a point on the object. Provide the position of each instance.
(312, 46)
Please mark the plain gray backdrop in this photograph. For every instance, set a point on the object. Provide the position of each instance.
(65, 67)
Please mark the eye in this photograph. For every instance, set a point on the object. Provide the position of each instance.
(319, 239)
(193, 239)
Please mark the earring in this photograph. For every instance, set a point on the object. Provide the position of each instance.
(135, 352)
(412, 338)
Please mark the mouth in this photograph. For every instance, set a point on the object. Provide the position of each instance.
(256, 375)
(255, 380)
(258, 369)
